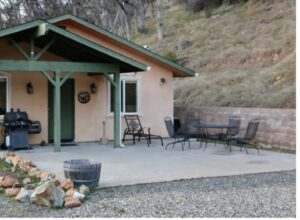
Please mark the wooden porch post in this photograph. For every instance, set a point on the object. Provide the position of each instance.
(57, 121)
(117, 111)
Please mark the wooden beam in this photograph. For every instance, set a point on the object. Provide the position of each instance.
(44, 49)
(39, 66)
(117, 111)
(57, 113)
(65, 78)
(48, 77)
(19, 48)
(110, 79)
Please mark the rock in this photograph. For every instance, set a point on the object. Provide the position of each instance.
(2, 190)
(10, 192)
(26, 181)
(34, 173)
(84, 189)
(8, 160)
(48, 195)
(56, 182)
(24, 195)
(67, 184)
(26, 165)
(9, 182)
(71, 192)
(44, 175)
(15, 160)
(9, 154)
(1, 180)
(71, 202)
(78, 196)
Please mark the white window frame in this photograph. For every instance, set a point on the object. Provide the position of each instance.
(8, 92)
(125, 79)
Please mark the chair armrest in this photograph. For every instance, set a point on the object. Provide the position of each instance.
(146, 128)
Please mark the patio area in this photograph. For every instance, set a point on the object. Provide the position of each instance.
(136, 164)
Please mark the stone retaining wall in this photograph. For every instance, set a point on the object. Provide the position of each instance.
(277, 127)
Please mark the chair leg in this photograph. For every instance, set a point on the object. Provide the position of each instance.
(182, 145)
(124, 135)
(189, 143)
(161, 140)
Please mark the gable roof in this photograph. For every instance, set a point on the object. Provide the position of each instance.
(164, 60)
(87, 48)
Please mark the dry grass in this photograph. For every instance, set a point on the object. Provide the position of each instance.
(245, 57)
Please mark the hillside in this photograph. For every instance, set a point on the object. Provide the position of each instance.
(245, 53)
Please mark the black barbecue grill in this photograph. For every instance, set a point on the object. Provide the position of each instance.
(17, 126)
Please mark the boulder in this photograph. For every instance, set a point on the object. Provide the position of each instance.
(71, 202)
(26, 181)
(67, 184)
(9, 182)
(84, 189)
(48, 195)
(71, 192)
(15, 160)
(10, 192)
(78, 196)
(24, 195)
(56, 182)
(9, 154)
(44, 175)
(26, 165)
(8, 159)
(1, 180)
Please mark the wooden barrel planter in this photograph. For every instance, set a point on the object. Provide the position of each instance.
(83, 172)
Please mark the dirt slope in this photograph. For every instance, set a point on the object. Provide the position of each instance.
(245, 53)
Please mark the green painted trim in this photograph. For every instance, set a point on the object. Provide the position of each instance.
(19, 48)
(110, 79)
(44, 49)
(125, 42)
(31, 49)
(117, 111)
(98, 48)
(65, 78)
(37, 66)
(48, 77)
(57, 116)
(21, 27)
(40, 23)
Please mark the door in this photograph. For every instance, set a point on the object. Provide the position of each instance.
(67, 111)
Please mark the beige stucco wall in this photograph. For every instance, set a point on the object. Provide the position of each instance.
(156, 101)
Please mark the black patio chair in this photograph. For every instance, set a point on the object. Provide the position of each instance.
(249, 136)
(232, 133)
(193, 132)
(135, 129)
(180, 137)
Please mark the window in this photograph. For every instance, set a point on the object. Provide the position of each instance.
(3, 95)
(129, 97)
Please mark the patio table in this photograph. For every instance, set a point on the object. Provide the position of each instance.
(217, 136)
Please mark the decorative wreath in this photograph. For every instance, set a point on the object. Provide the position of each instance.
(84, 97)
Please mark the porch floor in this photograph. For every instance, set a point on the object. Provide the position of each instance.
(140, 164)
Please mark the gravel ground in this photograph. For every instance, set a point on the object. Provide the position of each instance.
(252, 195)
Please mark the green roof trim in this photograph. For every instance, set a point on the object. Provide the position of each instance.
(130, 44)
(36, 24)
(21, 27)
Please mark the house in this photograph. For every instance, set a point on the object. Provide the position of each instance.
(72, 75)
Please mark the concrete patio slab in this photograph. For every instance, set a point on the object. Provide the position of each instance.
(140, 164)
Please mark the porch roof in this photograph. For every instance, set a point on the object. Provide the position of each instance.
(178, 70)
(69, 46)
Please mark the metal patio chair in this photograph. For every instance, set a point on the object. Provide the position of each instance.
(178, 136)
(232, 133)
(194, 132)
(249, 136)
(135, 129)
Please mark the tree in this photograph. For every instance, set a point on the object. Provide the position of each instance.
(159, 17)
